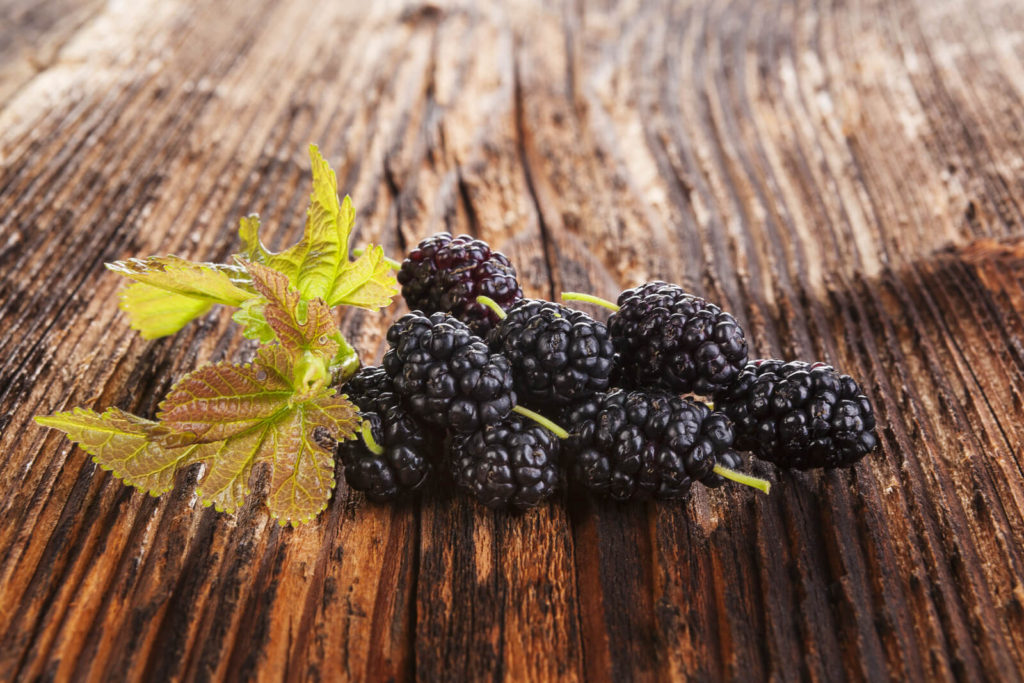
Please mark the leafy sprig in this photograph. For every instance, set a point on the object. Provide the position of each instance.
(279, 409)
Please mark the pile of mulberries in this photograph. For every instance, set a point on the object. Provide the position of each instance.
(661, 397)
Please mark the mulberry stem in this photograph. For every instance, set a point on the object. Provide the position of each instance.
(762, 485)
(541, 420)
(346, 361)
(367, 433)
(493, 305)
(590, 299)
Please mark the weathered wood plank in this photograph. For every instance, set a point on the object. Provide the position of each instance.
(845, 177)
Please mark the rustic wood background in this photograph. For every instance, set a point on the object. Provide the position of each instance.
(846, 176)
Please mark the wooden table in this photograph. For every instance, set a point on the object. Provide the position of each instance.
(846, 177)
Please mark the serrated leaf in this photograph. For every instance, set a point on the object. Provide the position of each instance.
(302, 482)
(226, 482)
(156, 312)
(169, 292)
(221, 400)
(366, 282)
(246, 414)
(314, 263)
(299, 325)
(318, 266)
(211, 282)
(120, 442)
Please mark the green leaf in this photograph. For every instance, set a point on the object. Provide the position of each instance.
(262, 412)
(226, 482)
(318, 266)
(120, 442)
(220, 400)
(230, 417)
(299, 325)
(302, 481)
(212, 282)
(367, 282)
(156, 312)
(315, 262)
(169, 292)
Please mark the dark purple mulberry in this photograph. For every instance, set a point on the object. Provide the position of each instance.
(634, 445)
(799, 414)
(558, 355)
(445, 375)
(446, 274)
(669, 339)
(513, 463)
(404, 466)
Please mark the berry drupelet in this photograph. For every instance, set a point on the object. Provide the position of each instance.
(445, 375)
(558, 355)
(446, 274)
(513, 463)
(634, 445)
(402, 465)
(669, 339)
(800, 415)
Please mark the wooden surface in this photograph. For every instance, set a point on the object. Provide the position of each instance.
(847, 177)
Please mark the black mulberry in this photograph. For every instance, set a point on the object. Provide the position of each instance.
(558, 355)
(445, 375)
(669, 339)
(404, 465)
(800, 415)
(634, 445)
(513, 463)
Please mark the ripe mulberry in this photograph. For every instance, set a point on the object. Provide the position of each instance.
(669, 339)
(445, 375)
(558, 355)
(632, 445)
(800, 415)
(513, 463)
(404, 465)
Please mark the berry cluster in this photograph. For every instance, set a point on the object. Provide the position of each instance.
(473, 361)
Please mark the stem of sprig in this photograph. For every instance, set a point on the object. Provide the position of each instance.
(590, 299)
(346, 361)
(493, 305)
(543, 421)
(366, 431)
(762, 485)
(395, 265)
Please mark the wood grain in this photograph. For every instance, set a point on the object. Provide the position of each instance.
(846, 177)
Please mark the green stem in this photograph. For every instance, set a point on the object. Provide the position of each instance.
(346, 362)
(590, 299)
(541, 420)
(761, 485)
(493, 305)
(395, 265)
(367, 433)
